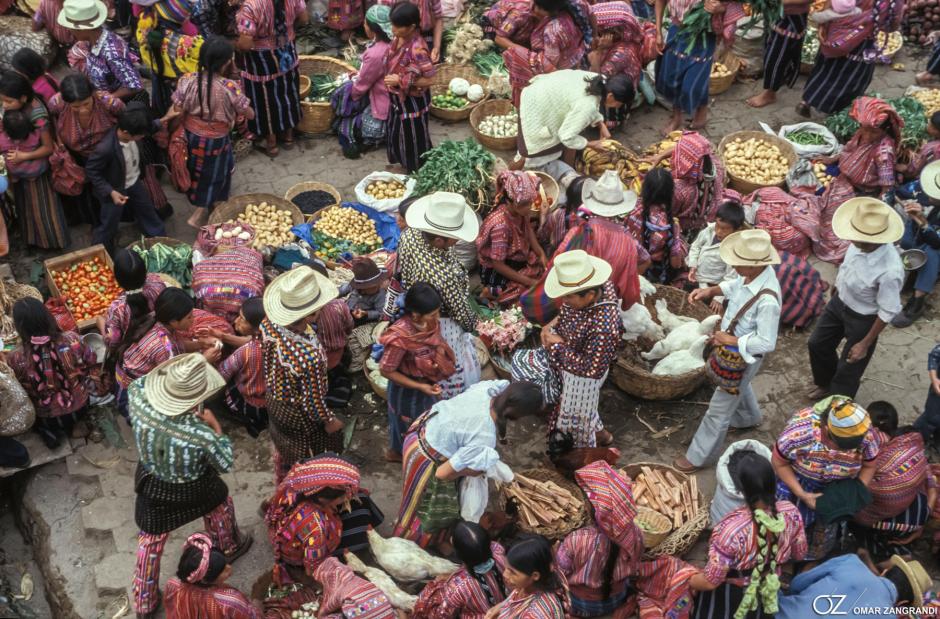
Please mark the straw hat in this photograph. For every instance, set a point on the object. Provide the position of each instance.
(181, 383)
(867, 220)
(366, 274)
(606, 196)
(297, 294)
(930, 180)
(918, 577)
(748, 248)
(444, 214)
(574, 271)
(82, 14)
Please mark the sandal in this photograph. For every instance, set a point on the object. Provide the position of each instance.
(270, 151)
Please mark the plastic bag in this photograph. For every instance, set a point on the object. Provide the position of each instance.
(727, 498)
(383, 206)
(828, 149)
(17, 414)
(474, 496)
(802, 175)
(385, 227)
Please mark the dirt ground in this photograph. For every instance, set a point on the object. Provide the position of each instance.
(77, 514)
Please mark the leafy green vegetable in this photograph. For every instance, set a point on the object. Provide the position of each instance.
(909, 109)
(177, 262)
(805, 137)
(489, 62)
(463, 167)
(697, 25)
(322, 86)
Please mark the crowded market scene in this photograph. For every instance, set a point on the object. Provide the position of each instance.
(512, 309)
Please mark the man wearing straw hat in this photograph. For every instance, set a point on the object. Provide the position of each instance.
(867, 297)
(920, 232)
(181, 451)
(752, 316)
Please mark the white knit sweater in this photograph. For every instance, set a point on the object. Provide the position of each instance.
(555, 108)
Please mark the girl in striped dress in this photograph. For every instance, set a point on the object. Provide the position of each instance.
(538, 591)
(658, 232)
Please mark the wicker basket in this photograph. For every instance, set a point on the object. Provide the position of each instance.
(680, 540)
(317, 117)
(560, 529)
(305, 86)
(299, 188)
(745, 186)
(447, 72)
(718, 85)
(657, 526)
(379, 391)
(630, 372)
(147, 243)
(493, 107)
(234, 206)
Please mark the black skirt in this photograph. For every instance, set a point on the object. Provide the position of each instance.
(162, 507)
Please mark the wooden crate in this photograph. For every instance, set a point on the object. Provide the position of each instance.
(64, 261)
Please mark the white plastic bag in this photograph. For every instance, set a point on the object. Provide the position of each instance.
(828, 149)
(388, 205)
(727, 498)
(474, 495)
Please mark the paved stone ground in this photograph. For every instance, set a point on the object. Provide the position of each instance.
(77, 514)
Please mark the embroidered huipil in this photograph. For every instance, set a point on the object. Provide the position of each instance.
(409, 61)
(462, 596)
(504, 238)
(214, 602)
(582, 558)
(118, 318)
(431, 10)
(348, 596)
(219, 111)
(68, 391)
(223, 282)
(155, 347)
(246, 366)
(295, 371)
(202, 322)
(333, 326)
(901, 473)
(256, 19)
(591, 336)
(868, 166)
(175, 449)
(733, 544)
(307, 535)
(79, 138)
(557, 43)
(538, 605)
(24, 168)
(512, 19)
(110, 64)
(654, 234)
(928, 153)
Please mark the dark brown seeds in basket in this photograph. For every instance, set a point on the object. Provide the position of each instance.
(310, 202)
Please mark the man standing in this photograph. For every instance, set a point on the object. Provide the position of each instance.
(867, 297)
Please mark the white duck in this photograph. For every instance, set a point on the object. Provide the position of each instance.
(667, 319)
(406, 561)
(681, 337)
(637, 321)
(384, 582)
(646, 288)
(682, 361)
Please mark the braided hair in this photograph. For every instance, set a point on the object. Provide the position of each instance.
(215, 53)
(472, 544)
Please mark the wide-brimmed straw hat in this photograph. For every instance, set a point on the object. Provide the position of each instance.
(82, 14)
(918, 577)
(446, 214)
(181, 383)
(748, 248)
(574, 271)
(867, 220)
(606, 196)
(297, 294)
(930, 180)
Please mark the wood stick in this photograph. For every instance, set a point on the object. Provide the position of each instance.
(638, 490)
(677, 519)
(693, 489)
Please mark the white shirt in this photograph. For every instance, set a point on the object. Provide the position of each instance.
(870, 283)
(131, 162)
(463, 431)
(704, 256)
(757, 329)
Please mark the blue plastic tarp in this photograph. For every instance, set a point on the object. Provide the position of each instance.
(385, 227)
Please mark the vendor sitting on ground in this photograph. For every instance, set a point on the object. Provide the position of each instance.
(920, 232)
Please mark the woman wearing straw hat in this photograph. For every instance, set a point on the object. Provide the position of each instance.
(867, 297)
(578, 348)
(181, 451)
(436, 223)
(752, 316)
(301, 423)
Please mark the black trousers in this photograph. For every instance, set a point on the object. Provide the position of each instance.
(831, 370)
(139, 203)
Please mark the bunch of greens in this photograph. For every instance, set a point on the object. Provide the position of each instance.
(463, 167)
(696, 25)
(909, 109)
(322, 86)
(489, 62)
(177, 262)
(806, 137)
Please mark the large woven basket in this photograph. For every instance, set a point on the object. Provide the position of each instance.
(680, 540)
(631, 372)
(718, 85)
(447, 72)
(558, 530)
(299, 188)
(305, 86)
(317, 117)
(743, 185)
(234, 206)
(493, 107)
(657, 526)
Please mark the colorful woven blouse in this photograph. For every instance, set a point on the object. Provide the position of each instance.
(512, 19)
(503, 237)
(539, 605)
(82, 139)
(223, 282)
(582, 558)
(181, 599)
(901, 473)
(155, 347)
(333, 326)
(24, 168)
(868, 166)
(306, 535)
(46, 16)
(246, 366)
(591, 336)
(57, 374)
(295, 370)
(409, 61)
(118, 318)
(256, 19)
(223, 107)
(463, 597)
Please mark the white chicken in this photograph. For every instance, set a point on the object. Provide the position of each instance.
(682, 361)
(667, 319)
(398, 598)
(681, 338)
(646, 288)
(637, 321)
(406, 561)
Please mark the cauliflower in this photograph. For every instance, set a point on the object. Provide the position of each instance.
(459, 86)
(475, 93)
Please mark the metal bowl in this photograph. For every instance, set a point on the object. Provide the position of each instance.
(913, 259)
(96, 343)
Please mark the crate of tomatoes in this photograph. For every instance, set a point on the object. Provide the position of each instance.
(85, 279)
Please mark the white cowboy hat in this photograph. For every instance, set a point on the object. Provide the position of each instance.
(181, 383)
(444, 214)
(606, 196)
(82, 14)
(574, 271)
(297, 294)
(930, 180)
(748, 248)
(918, 577)
(867, 220)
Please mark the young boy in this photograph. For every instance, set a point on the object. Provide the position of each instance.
(706, 268)
(366, 303)
(114, 170)
(245, 395)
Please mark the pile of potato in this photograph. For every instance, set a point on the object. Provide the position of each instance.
(819, 169)
(348, 224)
(720, 70)
(756, 161)
(890, 42)
(272, 225)
(385, 190)
(930, 99)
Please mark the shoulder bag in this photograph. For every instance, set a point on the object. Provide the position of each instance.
(724, 365)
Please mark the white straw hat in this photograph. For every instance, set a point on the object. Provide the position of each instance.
(930, 179)
(918, 577)
(574, 271)
(181, 383)
(748, 248)
(444, 214)
(867, 220)
(606, 196)
(297, 294)
(82, 14)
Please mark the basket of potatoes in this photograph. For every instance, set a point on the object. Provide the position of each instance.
(724, 72)
(339, 230)
(384, 191)
(271, 217)
(754, 159)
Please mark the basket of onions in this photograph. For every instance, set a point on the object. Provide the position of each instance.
(495, 124)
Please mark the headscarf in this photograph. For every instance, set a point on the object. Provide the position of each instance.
(350, 594)
(379, 14)
(517, 186)
(610, 495)
(688, 156)
(202, 543)
(307, 478)
(874, 113)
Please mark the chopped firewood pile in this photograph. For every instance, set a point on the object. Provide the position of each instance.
(541, 503)
(662, 491)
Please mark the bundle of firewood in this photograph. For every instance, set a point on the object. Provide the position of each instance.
(541, 503)
(662, 491)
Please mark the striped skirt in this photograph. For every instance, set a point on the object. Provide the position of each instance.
(404, 406)
(408, 135)
(880, 539)
(42, 220)
(211, 162)
(836, 82)
(682, 77)
(723, 602)
(429, 506)
(782, 52)
(274, 93)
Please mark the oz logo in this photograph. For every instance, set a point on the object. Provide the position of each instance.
(829, 605)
